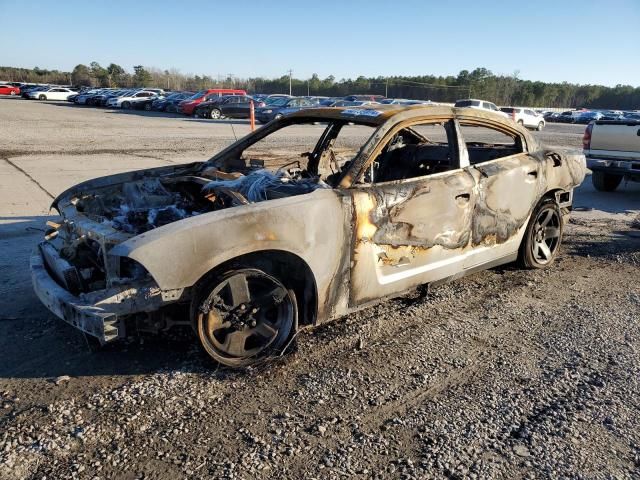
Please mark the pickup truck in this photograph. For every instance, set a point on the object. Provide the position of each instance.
(612, 149)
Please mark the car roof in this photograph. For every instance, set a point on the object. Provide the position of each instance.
(377, 114)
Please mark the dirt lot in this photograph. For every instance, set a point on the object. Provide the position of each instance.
(504, 374)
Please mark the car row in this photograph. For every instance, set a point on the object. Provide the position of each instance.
(587, 116)
(217, 103)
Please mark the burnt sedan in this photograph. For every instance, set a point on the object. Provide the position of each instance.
(355, 206)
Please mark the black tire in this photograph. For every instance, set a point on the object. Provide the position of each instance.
(543, 236)
(42, 97)
(605, 182)
(13, 93)
(215, 114)
(147, 107)
(126, 105)
(521, 123)
(244, 315)
(540, 126)
(278, 116)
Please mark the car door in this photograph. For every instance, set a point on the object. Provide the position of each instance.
(414, 230)
(4, 90)
(508, 186)
(243, 107)
(55, 94)
(530, 118)
(230, 107)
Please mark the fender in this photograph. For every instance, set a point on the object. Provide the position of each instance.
(315, 227)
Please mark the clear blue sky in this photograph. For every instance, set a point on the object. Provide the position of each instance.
(586, 41)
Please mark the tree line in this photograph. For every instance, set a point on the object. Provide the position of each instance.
(478, 83)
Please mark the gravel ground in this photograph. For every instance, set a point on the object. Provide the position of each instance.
(503, 374)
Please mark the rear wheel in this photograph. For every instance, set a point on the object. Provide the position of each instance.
(605, 182)
(543, 236)
(215, 114)
(244, 315)
(12, 93)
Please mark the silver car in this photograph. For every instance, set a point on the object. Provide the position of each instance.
(267, 237)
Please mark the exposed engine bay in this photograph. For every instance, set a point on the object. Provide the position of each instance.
(76, 251)
(137, 207)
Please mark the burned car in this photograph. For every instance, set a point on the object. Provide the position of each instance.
(305, 220)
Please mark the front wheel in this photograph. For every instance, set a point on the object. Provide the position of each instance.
(244, 315)
(605, 182)
(12, 93)
(543, 236)
(42, 97)
(147, 107)
(215, 114)
(540, 126)
(126, 105)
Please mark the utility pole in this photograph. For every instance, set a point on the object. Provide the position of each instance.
(290, 72)
(308, 95)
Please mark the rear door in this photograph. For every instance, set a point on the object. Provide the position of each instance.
(243, 106)
(231, 106)
(508, 182)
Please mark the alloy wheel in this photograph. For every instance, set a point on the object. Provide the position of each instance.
(248, 313)
(546, 235)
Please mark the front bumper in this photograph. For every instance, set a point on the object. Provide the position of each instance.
(99, 313)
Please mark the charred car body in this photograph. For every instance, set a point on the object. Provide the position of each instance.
(247, 255)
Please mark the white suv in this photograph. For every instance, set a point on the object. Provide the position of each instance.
(480, 104)
(126, 101)
(525, 116)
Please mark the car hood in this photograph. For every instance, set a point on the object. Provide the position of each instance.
(133, 203)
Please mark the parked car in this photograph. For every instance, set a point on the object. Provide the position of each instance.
(280, 107)
(126, 101)
(479, 104)
(189, 105)
(568, 116)
(351, 103)
(232, 106)
(83, 97)
(51, 93)
(9, 90)
(100, 99)
(363, 98)
(551, 116)
(612, 149)
(24, 92)
(525, 116)
(249, 256)
(586, 117)
(161, 104)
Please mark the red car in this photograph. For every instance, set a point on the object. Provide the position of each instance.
(188, 106)
(9, 90)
